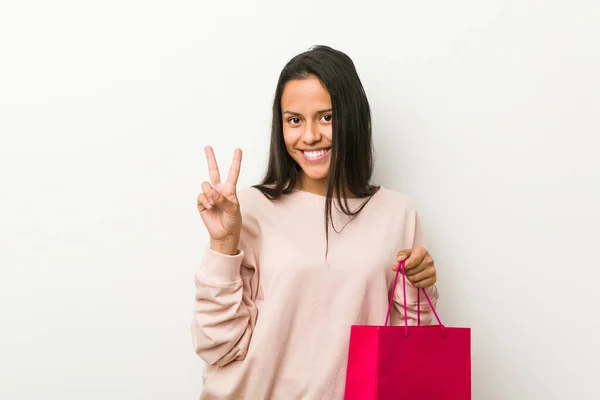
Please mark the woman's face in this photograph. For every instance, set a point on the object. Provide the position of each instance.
(306, 116)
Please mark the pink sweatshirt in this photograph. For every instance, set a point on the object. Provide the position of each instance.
(273, 322)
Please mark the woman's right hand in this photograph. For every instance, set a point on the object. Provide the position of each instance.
(219, 207)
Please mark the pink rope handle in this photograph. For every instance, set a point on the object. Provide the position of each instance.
(418, 307)
(401, 267)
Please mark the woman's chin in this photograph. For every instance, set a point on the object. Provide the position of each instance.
(315, 174)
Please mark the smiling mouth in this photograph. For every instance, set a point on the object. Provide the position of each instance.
(315, 155)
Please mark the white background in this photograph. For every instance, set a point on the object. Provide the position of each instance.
(486, 113)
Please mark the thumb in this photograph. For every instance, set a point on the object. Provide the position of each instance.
(403, 255)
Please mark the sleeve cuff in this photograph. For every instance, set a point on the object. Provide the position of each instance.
(220, 268)
(432, 292)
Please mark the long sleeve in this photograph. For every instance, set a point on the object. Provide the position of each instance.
(224, 314)
(225, 309)
(412, 304)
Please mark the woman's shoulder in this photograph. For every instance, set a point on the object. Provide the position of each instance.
(252, 200)
(396, 200)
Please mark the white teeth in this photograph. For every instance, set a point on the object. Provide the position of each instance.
(313, 155)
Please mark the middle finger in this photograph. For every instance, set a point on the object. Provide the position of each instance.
(425, 263)
(424, 274)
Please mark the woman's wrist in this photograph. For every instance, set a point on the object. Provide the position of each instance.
(228, 247)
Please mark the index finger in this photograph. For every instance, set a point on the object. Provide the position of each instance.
(416, 257)
(213, 168)
(236, 165)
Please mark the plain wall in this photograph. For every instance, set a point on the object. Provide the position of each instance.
(486, 113)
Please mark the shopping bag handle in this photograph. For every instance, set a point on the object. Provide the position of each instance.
(401, 267)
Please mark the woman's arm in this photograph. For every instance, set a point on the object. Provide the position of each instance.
(225, 309)
(227, 280)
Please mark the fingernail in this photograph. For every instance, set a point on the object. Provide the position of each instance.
(401, 257)
(207, 205)
(211, 202)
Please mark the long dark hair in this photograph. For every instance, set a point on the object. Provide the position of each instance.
(352, 150)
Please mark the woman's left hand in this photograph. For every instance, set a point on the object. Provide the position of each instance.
(419, 267)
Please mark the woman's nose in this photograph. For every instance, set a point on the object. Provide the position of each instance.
(311, 134)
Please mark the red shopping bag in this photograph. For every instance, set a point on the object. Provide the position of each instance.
(412, 363)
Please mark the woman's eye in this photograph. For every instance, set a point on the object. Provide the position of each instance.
(327, 117)
(294, 121)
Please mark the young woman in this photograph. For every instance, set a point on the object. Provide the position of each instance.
(295, 261)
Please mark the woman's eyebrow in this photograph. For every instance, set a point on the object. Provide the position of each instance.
(298, 114)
